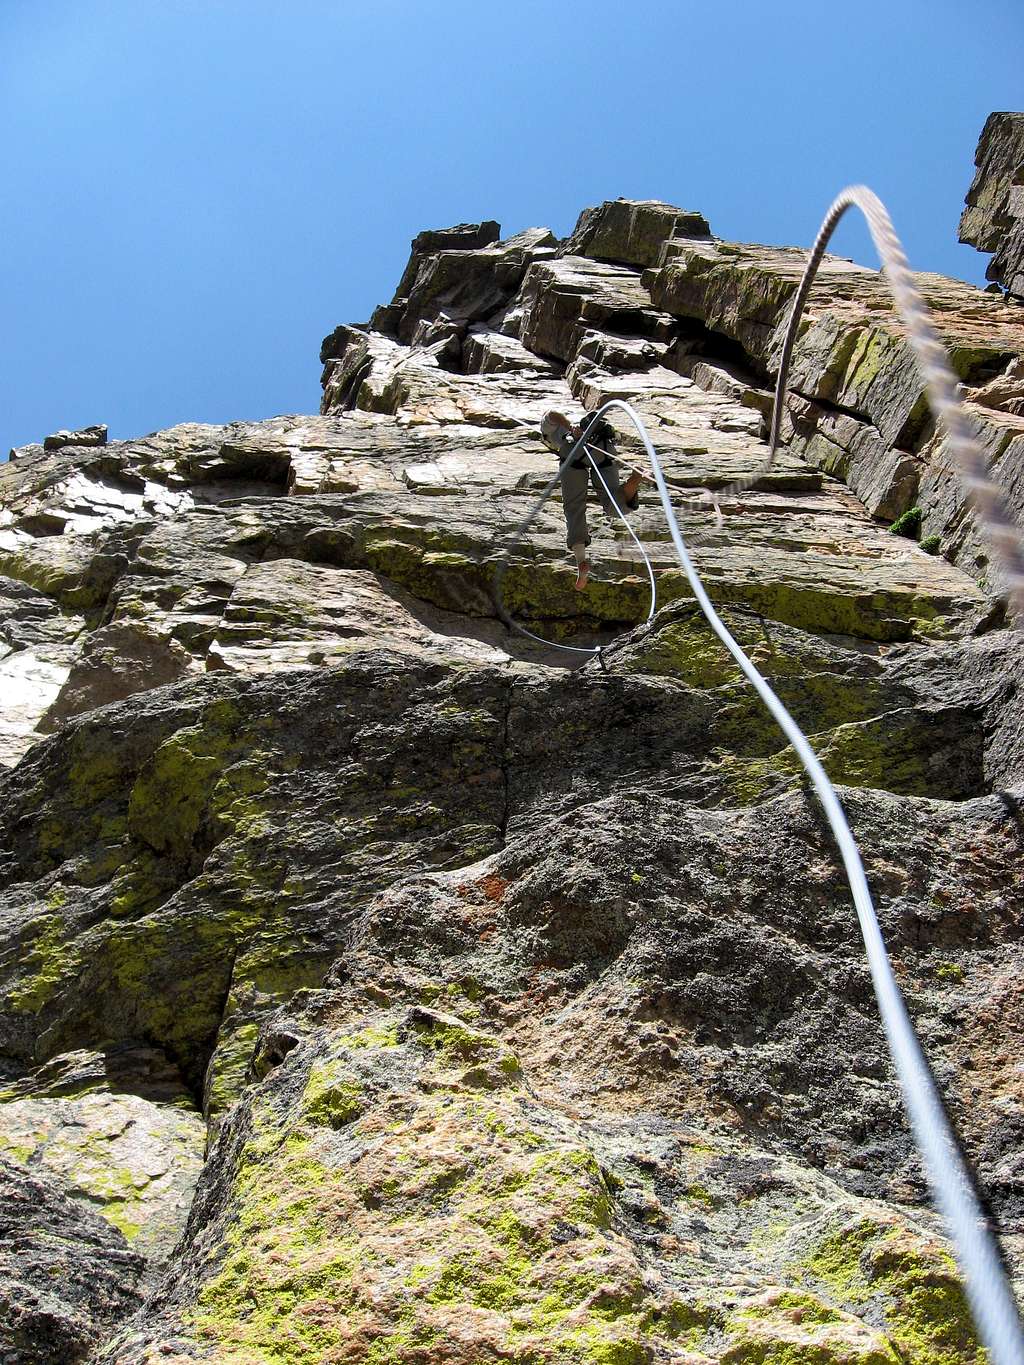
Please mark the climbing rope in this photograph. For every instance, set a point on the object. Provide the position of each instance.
(528, 521)
(950, 1179)
(997, 525)
(988, 1289)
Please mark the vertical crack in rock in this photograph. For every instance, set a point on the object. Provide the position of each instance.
(506, 762)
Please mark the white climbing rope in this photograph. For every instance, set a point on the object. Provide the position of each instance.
(524, 525)
(997, 525)
(985, 1280)
(988, 1290)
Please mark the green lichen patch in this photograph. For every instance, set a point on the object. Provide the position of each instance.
(697, 1193)
(454, 994)
(683, 648)
(680, 643)
(912, 752)
(928, 1317)
(907, 751)
(374, 1036)
(482, 1060)
(225, 1076)
(122, 818)
(134, 1161)
(137, 960)
(874, 351)
(787, 1328)
(836, 1261)
(44, 963)
(174, 791)
(168, 800)
(434, 565)
(140, 883)
(872, 615)
(543, 594)
(378, 1214)
(948, 971)
(68, 568)
(747, 782)
(906, 1281)
(332, 1093)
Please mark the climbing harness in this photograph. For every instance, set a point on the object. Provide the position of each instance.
(985, 1280)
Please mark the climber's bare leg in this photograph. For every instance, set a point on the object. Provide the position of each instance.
(582, 565)
(632, 485)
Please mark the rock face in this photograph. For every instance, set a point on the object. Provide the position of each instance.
(994, 217)
(375, 984)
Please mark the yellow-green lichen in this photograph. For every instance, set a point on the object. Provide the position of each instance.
(910, 1281)
(47, 961)
(332, 1094)
(698, 1194)
(448, 1214)
(948, 971)
(927, 1316)
(228, 1065)
(836, 1261)
(373, 1036)
(172, 792)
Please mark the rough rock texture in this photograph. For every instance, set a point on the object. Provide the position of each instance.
(994, 217)
(66, 1276)
(858, 409)
(375, 985)
(121, 1129)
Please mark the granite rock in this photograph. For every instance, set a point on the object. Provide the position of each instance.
(85, 436)
(66, 1275)
(993, 220)
(632, 231)
(379, 984)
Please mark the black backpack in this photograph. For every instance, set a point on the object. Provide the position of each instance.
(600, 437)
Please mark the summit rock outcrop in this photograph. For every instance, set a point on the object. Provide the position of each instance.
(994, 217)
(377, 985)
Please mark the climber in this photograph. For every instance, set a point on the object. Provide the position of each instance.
(559, 433)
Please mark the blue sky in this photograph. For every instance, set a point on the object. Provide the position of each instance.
(196, 191)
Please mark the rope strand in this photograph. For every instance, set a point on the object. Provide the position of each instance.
(941, 385)
(988, 1290)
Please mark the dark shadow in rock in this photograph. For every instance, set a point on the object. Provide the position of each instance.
(492, 632)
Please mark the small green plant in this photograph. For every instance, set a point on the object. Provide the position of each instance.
(949, 971)
(909, 524)
(932, 544)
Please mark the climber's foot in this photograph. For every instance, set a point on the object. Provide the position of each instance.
(582, 574)
(632, 485)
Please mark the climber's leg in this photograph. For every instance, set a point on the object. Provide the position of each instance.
(577, 537)
(631, 490)
(582, 566)
(574, 504)
(624, 497)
